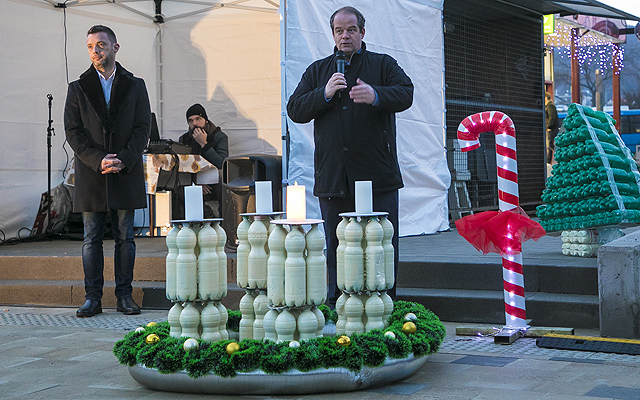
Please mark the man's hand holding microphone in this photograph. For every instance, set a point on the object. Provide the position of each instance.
(362, 92)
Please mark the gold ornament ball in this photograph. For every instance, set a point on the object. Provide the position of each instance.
(152, 324)
(152, 338)
(410, 317)
(294, 343)
(139, 329)
(390, 334)
(344, 340)
(189, 344)
(409, 327)
(232, 348)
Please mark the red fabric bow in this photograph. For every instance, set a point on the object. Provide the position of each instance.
(501, 232)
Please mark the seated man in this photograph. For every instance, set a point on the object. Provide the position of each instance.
(212, 144)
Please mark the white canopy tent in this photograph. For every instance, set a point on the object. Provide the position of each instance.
(240, 59)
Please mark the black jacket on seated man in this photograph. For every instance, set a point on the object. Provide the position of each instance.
(212, 144)
(217, 147)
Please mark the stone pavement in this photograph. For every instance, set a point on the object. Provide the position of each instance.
(47, 353)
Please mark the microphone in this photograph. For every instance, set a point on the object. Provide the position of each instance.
(50, 97)
(340, 61)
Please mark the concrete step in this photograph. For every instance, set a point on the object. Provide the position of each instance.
(147, 268)
(484, 306)
(560, 291)
(70, 293)
(57, 280)
(570, 279)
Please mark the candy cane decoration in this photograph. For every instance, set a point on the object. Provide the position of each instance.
(469, 131)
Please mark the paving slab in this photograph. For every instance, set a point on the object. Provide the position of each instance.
(73, 360)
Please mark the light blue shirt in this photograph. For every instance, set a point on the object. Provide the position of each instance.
(106, 85)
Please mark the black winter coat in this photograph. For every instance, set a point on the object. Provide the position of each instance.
(93, 131)
(353, 142)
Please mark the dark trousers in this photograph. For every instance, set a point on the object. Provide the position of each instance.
(331, 207)
(93, 257)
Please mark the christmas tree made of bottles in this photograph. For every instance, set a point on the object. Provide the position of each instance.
(596, 181)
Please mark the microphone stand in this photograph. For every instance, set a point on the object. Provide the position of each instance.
(47, 233)
(50, 132)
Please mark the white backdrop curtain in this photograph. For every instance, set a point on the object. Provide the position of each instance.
(411, 32)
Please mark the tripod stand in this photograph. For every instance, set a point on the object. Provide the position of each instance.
(43, 227)
(50, 132)
(47, 230)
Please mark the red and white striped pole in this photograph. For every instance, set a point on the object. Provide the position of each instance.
(469, 131)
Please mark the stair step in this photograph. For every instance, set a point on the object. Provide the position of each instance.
(483, 306)
(458, 285)
(70, 293)
(574, 279)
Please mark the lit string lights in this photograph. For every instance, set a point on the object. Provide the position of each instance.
(592, 48)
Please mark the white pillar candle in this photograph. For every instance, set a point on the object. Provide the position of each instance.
(264, 198)
(364, 197)
(193, 208)
(296, 203)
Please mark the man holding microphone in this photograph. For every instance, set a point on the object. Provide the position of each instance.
(353, 108)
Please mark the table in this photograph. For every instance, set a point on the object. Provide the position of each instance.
(191, 163)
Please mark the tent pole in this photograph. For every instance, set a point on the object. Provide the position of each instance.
(283, 97)
(160, 80)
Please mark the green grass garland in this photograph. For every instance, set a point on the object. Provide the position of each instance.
(370, 349)
(248, 357)
(309, 356)
(233, 323)
(201, 361)
(278, 358)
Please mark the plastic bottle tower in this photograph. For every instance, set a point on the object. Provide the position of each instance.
(283, 270)
(287, 268)
(594, 184)
(252, 256)
(196, 279)
(364, 272)
(297, 281)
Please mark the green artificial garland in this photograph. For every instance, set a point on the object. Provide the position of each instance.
(371, 349)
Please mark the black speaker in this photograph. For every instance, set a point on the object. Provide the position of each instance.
(239, 174)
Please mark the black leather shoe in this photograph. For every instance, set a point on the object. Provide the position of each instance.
(127, 306)
(89, 309)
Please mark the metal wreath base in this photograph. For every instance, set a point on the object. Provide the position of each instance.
(291, 382)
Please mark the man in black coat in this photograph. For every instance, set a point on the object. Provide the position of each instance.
(107, 119)
(354, 128)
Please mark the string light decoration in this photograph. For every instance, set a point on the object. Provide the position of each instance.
(592, 48)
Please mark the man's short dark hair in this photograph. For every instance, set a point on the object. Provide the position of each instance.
(349, 10)
(101, 28)
(547, 96)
